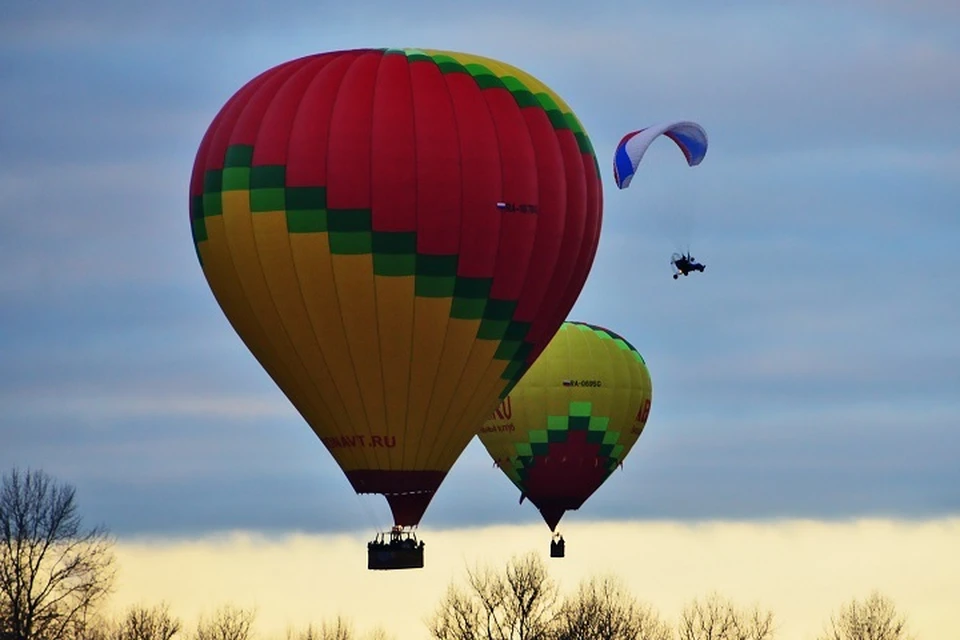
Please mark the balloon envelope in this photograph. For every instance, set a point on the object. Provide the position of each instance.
(572, 419)
(395, 235)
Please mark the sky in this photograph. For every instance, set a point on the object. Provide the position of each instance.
(812, 372)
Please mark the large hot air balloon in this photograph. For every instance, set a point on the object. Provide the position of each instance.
(571, 420)
(395, 234)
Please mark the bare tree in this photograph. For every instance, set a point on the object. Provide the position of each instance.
(717, 618)
(143, 623)
(339, 629)
(602, 609)
(94, 627)
(52, 570)
(227, 623)
(875, 618)
(517, 604)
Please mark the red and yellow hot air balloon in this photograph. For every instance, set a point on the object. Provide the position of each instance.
(395, 234)
(571, 420)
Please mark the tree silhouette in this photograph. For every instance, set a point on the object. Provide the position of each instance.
(147, 623)
(52, 571)
(876, 618)
(603, 609)
(227, 623)
(338, 629)
(515, 604)
(718, 618)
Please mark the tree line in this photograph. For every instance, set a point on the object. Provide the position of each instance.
(55, 576)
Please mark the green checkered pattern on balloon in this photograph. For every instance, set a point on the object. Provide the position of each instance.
(350, 231)
(606, 334)
(558, 429)
(487, 79)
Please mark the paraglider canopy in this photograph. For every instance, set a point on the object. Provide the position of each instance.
(690, 137)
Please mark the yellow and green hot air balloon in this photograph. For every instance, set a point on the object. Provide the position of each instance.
(572, 418)
(396, 234)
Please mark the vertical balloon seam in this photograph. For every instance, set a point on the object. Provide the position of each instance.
(629, 358)
(268, 89)
(376, 281)
(543, 307)
(312, 399)
(567, 294)
(515, 463)
(318, 392)
(606, 370)
(621, 404)
(449, 447)
(539, 152)
(501, 71)
(354, 67)
(563, 119)
(580, 162)
(373, 276)
(507, 72)
(225, 129)
(319, 399)
(637, 382)
(588, 249)
(517, 366)
(337, 71)
(573, 162)
(416, 255)
(452, 436)
(439, 454)
(416, 217)
(594, 361)
(463, 413)
(425, 458)
(351, 459)
(557, 312)
(501, 231)
(303, 107)
(426, 444)
(359, 458)
(607, 341)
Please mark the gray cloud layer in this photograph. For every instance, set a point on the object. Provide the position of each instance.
(811, 371)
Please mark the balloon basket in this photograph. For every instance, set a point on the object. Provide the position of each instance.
(557, 547)
(400, 550)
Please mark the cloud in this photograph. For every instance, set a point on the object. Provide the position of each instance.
(809, 371)
(87, 225)
(100, 405)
